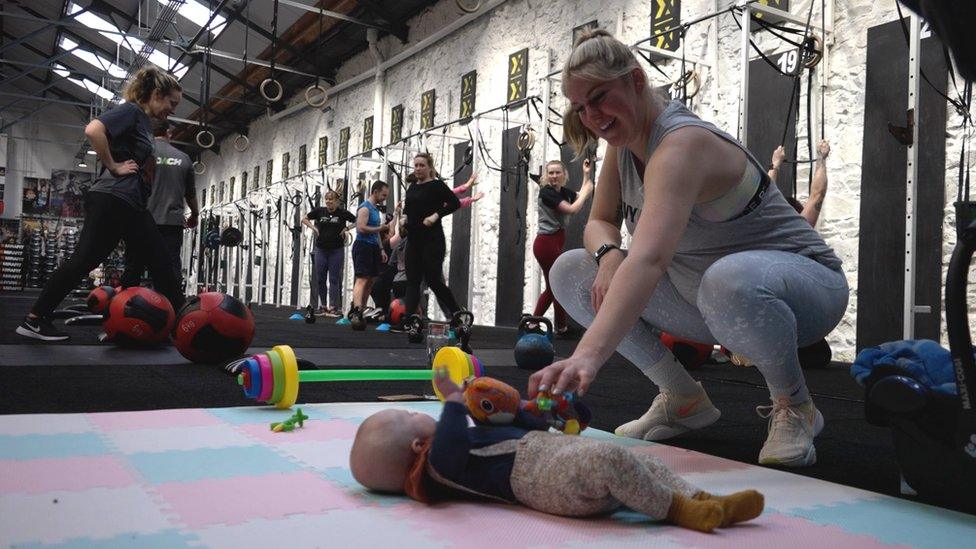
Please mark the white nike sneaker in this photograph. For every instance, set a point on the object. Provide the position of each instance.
(670, 415)
(791, 432)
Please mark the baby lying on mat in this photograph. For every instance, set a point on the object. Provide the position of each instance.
(400, 451)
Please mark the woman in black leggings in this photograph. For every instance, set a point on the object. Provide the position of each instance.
(428, 200)
(115, 206)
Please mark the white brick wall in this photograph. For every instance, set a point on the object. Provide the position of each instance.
(545, 28)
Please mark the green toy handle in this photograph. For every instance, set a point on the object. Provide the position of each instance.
(365, 375)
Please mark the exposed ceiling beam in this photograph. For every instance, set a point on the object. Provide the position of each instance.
(236, 15)
(28, 97)
(304, 31)
(337, 15)
(42, 30)
(38, 18)
(25, 116)
(47, 62)
(43, 91)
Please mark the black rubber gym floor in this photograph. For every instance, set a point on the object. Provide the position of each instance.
(82, 375)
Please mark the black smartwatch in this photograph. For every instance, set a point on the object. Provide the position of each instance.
(602, 251)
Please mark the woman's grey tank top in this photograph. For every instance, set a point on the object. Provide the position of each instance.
(773, 225)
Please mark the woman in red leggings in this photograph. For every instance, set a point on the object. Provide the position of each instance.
(556, 204)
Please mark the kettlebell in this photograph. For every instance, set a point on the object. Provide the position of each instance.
(534, 348)
(415, 329)
(461, 324)
(357, 321)
(309, 315)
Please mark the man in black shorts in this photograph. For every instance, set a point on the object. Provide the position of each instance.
(368, 256)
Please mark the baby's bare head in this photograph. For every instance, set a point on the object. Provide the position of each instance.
(385, 447)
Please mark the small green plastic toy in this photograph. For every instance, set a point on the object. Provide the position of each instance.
(290, 423)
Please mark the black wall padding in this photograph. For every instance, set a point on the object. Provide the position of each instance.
(511, 233)
(881, 249)
(459, 269)
(574, 229)
(769, 103)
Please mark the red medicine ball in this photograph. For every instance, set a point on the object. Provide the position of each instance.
(397, 309)
(99, 298)
(213, 327)
(139, 316)
(689, 353)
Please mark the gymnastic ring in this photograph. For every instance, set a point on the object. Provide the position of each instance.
(264, 92)
(346, 238)
(241, 143)
(811, 51)
(323, 94)
(526, 139)
(206, 139)
(468, 7)
(199, 168)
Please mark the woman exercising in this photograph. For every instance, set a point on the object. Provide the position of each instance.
(115, 206)
(556, 205)
(717, 256)
(428, 200)
(330, 224)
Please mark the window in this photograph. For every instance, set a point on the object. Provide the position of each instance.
(63, 71)
(199, 14)
(113, 33)
(92, 59)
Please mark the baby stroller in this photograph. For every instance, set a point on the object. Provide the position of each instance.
(935, 432)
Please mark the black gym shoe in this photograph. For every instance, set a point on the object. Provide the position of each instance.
(40, 328)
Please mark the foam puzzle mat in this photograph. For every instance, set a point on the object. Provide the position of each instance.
(221, 478)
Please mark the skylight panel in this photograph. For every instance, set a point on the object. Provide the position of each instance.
(199, 14)
(110, 31)
(92, 59)
(85, 83)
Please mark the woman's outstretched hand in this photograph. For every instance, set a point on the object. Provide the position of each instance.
(571, 374)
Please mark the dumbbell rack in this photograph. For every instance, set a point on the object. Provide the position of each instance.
(12, 270)
(49, 261)
(69, 241)
(34, 252)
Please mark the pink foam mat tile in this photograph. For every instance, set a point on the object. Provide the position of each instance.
(132, 441)
(783, 491)
(236, 500)
(157, 419)
(514, 526)
(54, 517)
(340, 528)
(319, 455)
(44, 424)
(37, 476)
(313, 430)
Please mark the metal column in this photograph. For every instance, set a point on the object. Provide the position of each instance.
(911, 196)
(474, 256)
(744, 75)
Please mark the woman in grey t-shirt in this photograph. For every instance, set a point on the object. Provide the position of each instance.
(115, 206)
(717, 256)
